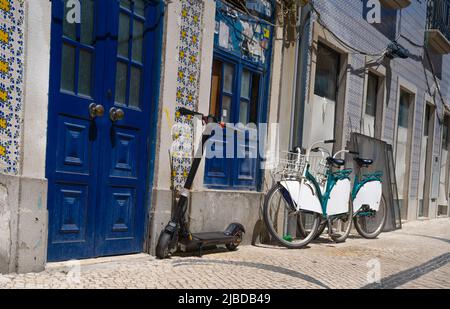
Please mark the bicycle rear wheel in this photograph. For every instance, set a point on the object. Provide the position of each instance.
(286, 226)
(370, 225)
(303, 221)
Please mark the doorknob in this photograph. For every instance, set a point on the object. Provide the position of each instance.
(116, 114)
(96, 110)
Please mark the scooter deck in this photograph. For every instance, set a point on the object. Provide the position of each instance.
(212, 237)
(202, 240)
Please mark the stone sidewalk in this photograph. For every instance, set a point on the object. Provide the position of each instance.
(418, 256)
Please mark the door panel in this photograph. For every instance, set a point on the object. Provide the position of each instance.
(71, 216)
(124, 154)
(124, 170)
(217, 169)
(72, 160)
(245, 165)
(73, 141)
(120, 222)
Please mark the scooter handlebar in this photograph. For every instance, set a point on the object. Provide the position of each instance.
(207, 119)
(186, 112)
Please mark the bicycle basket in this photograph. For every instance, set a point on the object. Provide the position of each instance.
(286, 165)
(318, 167)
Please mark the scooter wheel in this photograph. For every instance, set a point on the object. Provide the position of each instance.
(162, 248)
(233, 245)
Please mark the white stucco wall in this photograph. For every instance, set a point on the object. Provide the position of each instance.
(168, 94)
(37, 64)
(23, 198)
(205, 71)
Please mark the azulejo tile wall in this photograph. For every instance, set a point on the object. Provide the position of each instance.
(188, 80)
(11, 83)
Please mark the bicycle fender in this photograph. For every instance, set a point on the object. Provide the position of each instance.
(369, 194)
(339, 197)
(303, 195)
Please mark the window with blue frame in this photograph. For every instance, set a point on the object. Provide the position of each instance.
(240, 74)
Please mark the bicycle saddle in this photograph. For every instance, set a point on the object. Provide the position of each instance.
(363, 162)
(337, 162)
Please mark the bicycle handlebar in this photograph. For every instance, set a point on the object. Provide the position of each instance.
(317, 149)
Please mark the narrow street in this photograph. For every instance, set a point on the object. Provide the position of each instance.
(418, 256)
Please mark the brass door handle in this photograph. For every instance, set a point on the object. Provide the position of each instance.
(116, 114)
(96, 110)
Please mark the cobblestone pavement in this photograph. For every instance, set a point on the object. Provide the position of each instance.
(418, 256)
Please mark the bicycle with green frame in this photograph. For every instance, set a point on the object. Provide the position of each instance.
(369, 204)
(308, 193)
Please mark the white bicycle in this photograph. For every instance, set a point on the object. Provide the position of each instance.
(311, 195)
(312, 191)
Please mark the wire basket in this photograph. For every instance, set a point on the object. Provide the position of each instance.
(287, 165)
(318, 168)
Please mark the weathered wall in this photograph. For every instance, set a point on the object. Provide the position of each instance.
(9, 196)
(209, 209)
(23, 224)
(184, 29)
(23, 188)
(345, 19)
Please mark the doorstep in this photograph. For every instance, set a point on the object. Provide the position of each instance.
(100, 260)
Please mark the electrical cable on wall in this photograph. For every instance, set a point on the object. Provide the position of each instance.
(384, 53)
(393, 50)
(345, 44)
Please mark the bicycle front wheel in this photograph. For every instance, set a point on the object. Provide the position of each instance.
(370, 224)
(288, 227)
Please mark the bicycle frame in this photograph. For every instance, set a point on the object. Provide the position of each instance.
(333, 182)
(334, 196)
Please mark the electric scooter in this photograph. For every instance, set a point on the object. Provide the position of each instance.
(177, 230)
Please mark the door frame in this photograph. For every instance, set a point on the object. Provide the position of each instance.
(380, 73)
(404, 85)
(151, 141)
(428, 101)
(447, 172)
(322, 36)
(155, 117)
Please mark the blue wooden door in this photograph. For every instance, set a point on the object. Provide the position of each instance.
(97, 164)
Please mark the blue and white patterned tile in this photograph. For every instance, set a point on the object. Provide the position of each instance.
(12, 39)
(11, 83)
(12, 12)
(9, 156)
(188, 75)
(8, 97)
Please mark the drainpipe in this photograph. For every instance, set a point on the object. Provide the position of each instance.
(302, 76)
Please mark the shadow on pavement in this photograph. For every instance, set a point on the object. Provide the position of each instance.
(272, 268)
(410, 274)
